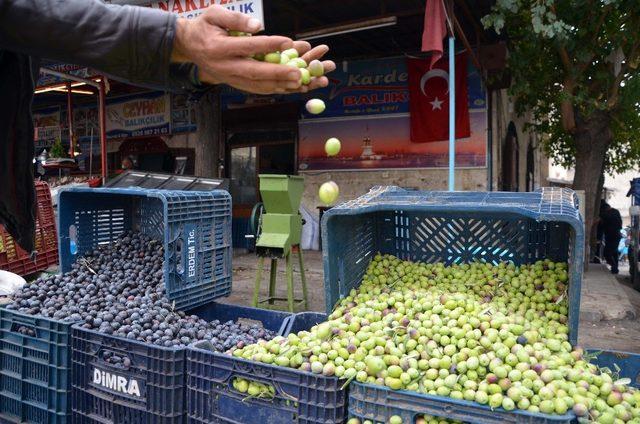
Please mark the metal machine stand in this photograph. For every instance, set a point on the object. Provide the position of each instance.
(278, 231)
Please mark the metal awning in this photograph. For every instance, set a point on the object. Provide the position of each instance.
(162, 181)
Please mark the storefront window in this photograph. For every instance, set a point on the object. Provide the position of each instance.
(243, 175)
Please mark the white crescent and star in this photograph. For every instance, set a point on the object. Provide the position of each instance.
(434, 73)
(436, 104)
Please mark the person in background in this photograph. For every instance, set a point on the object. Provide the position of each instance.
(127, 164)
(611, 223)
(168, 162)
(596, 254)
(623, 246)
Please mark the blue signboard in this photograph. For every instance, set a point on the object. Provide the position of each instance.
(364, 88)
(138, 115)
(182, 115)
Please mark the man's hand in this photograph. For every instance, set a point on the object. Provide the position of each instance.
(225, 59)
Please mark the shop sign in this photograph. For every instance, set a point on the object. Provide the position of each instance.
(378, 87)
(368, 110)
(46, 123)
(182, 114)
(139, 116)
(45, 80)
(367, 87)
(191, 252)
(192, 8)
(356, 89)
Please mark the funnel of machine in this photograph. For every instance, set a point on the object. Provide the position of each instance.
(281, 193)
(281, 224)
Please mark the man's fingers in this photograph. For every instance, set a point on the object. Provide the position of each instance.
(302, 47)
(227, 19)
(259, 87)
(316, 83)
(315, 53)
(329, 66)
(268, 71)
(247, 46)
(256, 71)
(320, 82)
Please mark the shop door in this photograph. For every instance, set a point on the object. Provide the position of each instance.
(259, 139)
(531, 168)
(277, 159)
(509, 158)
(246, 164)
(242, 184)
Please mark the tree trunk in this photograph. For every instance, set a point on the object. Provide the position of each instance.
(594, 233)
(592, 138)
(208, 135)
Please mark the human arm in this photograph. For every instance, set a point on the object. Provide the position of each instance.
(131, 43)
(618, 220)
(224, 59)
(150, 47)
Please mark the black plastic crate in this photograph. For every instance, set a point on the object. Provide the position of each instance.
(35, 374)
(300, 397)
(153, 388)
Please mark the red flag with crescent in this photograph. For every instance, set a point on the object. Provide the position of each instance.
(429, 99)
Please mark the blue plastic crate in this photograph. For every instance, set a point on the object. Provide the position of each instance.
(301, 397)
(379, 403)
(453, 227)
(626, 364)
(35, 374)
(195, 228)
(152, 389)
(305, 320)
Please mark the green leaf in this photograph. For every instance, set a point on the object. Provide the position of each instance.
(537, 30)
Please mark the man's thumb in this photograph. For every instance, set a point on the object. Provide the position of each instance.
(230, 20)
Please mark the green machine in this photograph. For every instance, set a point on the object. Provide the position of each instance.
(278, 230)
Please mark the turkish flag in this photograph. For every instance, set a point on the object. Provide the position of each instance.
(429, 99)
(435, 29)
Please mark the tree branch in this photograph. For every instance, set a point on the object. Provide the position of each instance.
(566, 62)
(603, 16)
(612, 101)
(566, 106)
(562, 51)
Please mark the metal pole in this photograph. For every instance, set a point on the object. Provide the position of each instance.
(103, 130)
(452, 112)
(91, 156)
(489, 140)
(70, 120)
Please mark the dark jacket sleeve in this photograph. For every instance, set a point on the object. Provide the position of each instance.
(127, 42)
(618, 220)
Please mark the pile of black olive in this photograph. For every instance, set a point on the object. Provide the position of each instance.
(118, 289)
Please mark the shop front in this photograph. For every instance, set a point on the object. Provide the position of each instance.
(369, 111)
(140, 129)
(259, 139)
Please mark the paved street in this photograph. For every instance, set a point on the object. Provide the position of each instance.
(618, 305)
